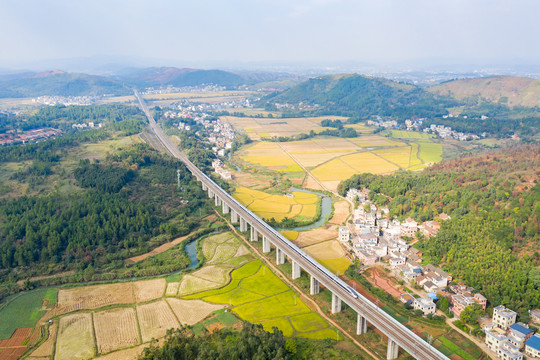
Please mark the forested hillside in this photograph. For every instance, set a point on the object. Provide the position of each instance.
(492, 241)
(156, 77)
(362, 96)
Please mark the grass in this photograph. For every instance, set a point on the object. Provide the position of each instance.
(24, 311)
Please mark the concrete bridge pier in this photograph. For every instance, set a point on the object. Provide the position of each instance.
(225, 207)
(254, 234)
(211, 194)
(266, 244)
(280, 256)
(315, 287)
(393, 350)
(204, 187)
(336, 304)
(243, 225)
(217, 200)
(361, 325)
(295, 270)
(234, 216)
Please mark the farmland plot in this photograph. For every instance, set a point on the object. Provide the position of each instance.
(115, 329)
(93, 297)
(155, 319)
(75, 337)
(190, 312)
(149, 289)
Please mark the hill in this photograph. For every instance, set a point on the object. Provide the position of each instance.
(59, 83)
(508, 90)
(362, 96)
(159, 76)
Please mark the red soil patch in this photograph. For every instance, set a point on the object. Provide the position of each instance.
(12, 353)
(13, 348)
(384, 283)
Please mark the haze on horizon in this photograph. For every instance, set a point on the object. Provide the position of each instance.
(34, 33)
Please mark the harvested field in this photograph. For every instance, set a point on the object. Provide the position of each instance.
(192, 284)
(190, 312)
(215, 273)
(172, 289)
(46, 349)
(334, 170)
(115, 329)
(242, 250)
(93, 297)
(148, 289)
(310, 237)
(127, 354)
(75, 337)
(160, 249)
(155, 319)
(310, 183)
(277, 126)
(341, 212)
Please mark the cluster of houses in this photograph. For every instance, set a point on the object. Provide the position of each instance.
(511, 340)
(300, 106)
(237, 103)
(374, 237)
(221, 136)
(26, 137)
(387, 124)
(90, 125)
(64, 100)
(220, 170)
(446, 132)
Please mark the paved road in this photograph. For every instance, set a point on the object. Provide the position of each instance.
(405, 338)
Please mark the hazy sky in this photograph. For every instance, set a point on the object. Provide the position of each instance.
(286, 31)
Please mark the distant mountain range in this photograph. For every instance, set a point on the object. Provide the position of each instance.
(508, 90)
(56, 82)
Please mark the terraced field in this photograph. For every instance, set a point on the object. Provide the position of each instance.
(300, 205)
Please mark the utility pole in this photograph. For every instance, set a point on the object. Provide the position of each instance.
(178, 179)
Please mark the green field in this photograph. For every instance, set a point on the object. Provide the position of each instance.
(430, 152)
(403, 134)
(24, 310)
(256, 294)
(453, 349)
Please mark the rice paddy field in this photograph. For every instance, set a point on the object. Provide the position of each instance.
(256, 294)
(299, 205)
(331, 160)
(117, 320)
(258, 128)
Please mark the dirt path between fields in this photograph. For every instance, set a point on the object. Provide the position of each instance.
(160, 249)
(297, 289)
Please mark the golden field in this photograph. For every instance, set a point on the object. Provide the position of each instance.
(267, 206)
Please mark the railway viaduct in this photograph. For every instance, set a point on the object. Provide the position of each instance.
(367, 312)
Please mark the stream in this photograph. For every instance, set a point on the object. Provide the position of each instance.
(326, 210)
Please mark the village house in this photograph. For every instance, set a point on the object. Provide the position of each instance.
(344, 235)
(504, 317)
(535, 316)
(532, 347)
(425, 304)
(499, 343)
(409, 227)
(461, 301)
(518, 334)
(396, 261)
